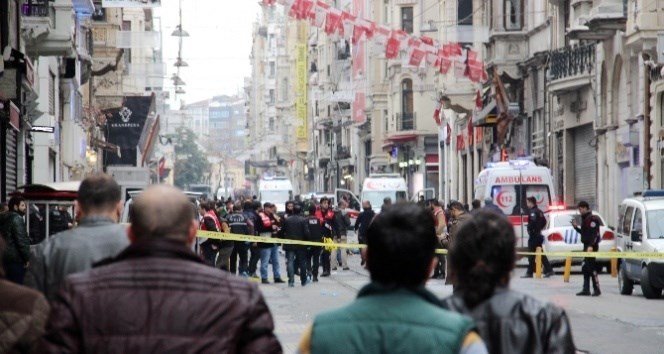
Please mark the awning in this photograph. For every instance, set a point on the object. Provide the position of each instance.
(431, 159)
(487, 116)
(402, 138)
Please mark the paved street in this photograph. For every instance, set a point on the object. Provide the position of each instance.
(611, 323)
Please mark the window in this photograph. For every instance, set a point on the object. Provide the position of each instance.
(627, 220)
(51, 93)
(513, 15)
(465, 12)
(386, 12)
(407, 96)
(271, 96)
(272, 69)
(407, 19)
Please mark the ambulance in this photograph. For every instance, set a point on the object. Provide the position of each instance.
(509, 183)
(276, 190)
(377, 187)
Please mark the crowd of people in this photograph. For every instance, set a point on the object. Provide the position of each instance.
(313, 220)
(104, 287)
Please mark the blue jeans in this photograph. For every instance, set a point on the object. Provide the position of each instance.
(267, 255)
(293, 257)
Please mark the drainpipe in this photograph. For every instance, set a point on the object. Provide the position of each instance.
(646, 126)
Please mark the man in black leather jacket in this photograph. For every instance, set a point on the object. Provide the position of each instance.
(590, 238)
(482, 259)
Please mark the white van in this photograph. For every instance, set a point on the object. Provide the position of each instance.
(509, 183)
(641, 229)
(377, 187)
(275, 190)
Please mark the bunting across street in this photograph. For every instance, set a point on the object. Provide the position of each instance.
(390, 43)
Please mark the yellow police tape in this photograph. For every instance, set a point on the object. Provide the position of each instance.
(330, 246)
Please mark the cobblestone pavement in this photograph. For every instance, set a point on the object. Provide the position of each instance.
(611, 323)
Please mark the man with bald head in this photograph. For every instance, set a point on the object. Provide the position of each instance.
(157, 296)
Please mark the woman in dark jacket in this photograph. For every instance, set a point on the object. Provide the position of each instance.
(481, 259)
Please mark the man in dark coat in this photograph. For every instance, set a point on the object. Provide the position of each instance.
(12, 228)
(295, 228)
(362, 225)
(158, 296)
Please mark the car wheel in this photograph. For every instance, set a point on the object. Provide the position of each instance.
(625, 284)
(649, 291)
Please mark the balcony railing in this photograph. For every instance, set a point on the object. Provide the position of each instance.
(343, 152)
(572, 61)
(35, 8)
(406, 121)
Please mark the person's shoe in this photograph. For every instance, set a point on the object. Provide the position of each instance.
(306, 281)
(279, 281)
(583, 293)
(244, 274)
(325, 274)
(291, 285)
(315, 279)
(527, 276)
(597, 293)
(362, 263)
(254, 275)
(549, 274)
(334, 268)
(265, 281)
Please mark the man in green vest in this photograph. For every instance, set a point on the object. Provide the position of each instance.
(394, 313)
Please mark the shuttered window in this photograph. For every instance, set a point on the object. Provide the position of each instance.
(585, 166)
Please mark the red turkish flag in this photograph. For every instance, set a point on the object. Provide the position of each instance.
(474, 67)
(436, 113)
(320, 12)
(392, 48)
(332, 21)
(444, 63)
(416, 56)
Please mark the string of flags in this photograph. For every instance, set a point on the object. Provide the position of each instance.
(390, 43)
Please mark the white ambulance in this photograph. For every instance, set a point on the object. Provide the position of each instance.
(275, 190)
(377, 187)
(509, 183)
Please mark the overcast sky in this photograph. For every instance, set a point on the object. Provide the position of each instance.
(217, 49)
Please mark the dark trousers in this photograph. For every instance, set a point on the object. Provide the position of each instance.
(240, 254)
(15, 272)
(325, 261)
(589, 270)
(532, 247)
(296, 257)
(253, 259)
(313, 260)
(439, 272)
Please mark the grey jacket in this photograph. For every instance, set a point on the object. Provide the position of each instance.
(74, 251)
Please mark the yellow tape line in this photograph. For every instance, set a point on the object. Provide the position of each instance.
(275, 240)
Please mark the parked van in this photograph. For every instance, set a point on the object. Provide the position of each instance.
(641, 229)
(276, 190)
(377, 187)
(509, 183)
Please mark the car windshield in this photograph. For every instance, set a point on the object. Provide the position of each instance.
(511, 199)
(655, 224)
(376, 197)
(276, 197)
(564, 220)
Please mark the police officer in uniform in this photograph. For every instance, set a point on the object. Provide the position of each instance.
(536, 222)
(590, 237)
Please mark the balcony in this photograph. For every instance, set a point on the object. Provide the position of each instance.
(47, 27)
(343, 152)
(571, 68)
(406, 121)
(608, 17)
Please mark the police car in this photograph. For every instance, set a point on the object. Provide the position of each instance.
(641, 230)
(560, 236)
